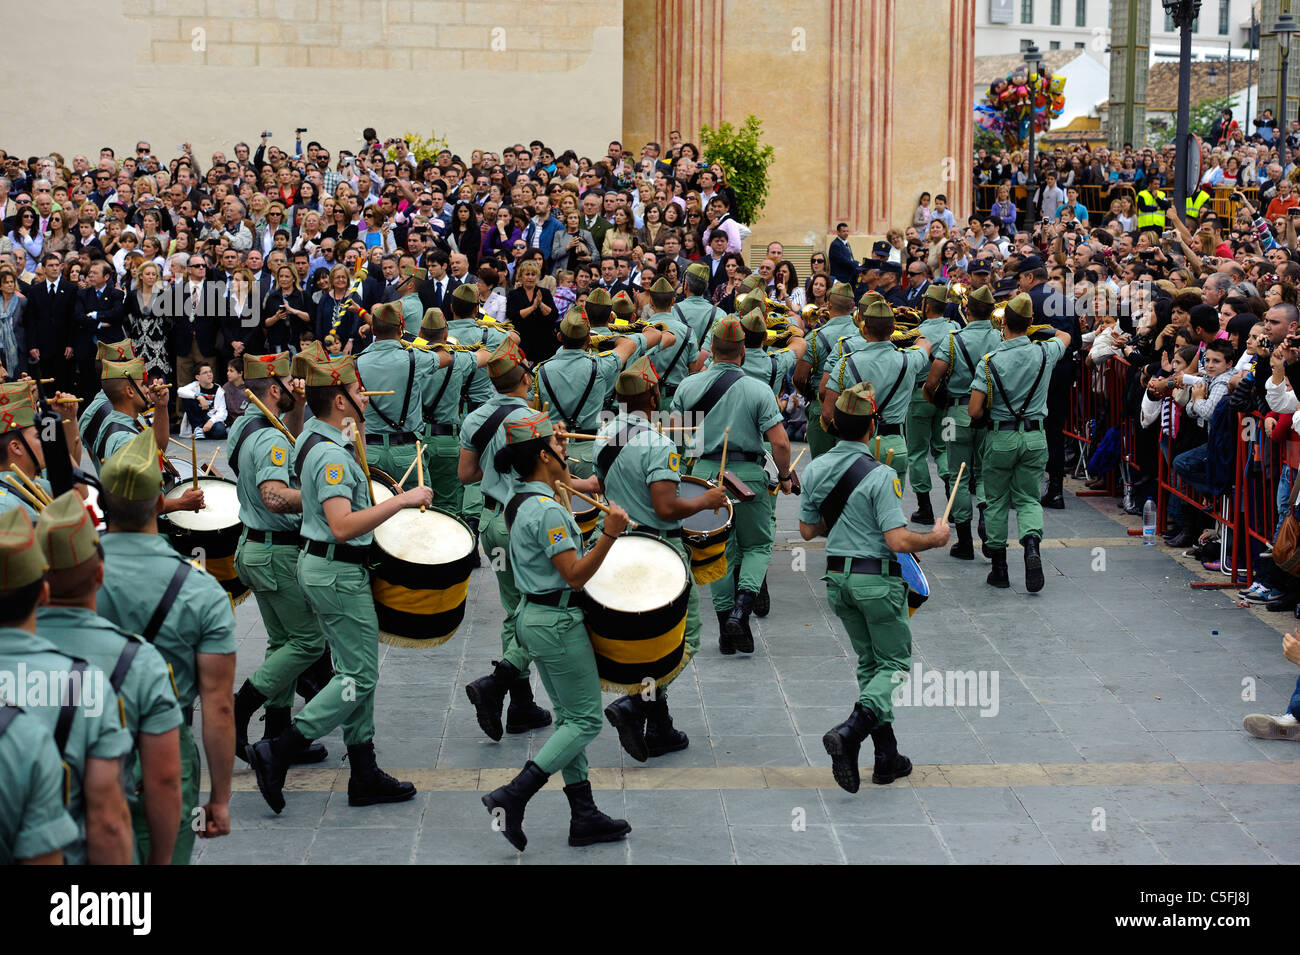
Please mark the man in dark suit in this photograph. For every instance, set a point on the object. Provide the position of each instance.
(197, 305)
(100, 314)
(843, 268)
(918, 280)
(609, 277)
(717, 268)
(437, 288)
(47, 325)
(591, 219)
(261, 275)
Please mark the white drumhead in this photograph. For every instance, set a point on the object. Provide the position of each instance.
(428, 538)
(638, 574)
(220, 506)
(381, 492)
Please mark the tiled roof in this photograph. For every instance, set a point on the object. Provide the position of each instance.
(997, 66)
(1162, 83)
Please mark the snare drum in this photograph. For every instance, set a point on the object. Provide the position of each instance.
(706, 534)
(212, 534)
(918, 588)
(586, 515)
(635, 613)
(773, 472)
(421, 578)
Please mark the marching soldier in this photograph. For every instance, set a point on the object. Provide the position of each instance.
(678, 355)
(820, 356)
(725, 403)
(574, 385)
(393, 422)
(412, 308)
(151, 590)
(925, 421)
(873, 357)
(855, 504)
(34, 825)
(121, 382)
(546, 552)
(270, 509)
(1010, 385)
(137, 673)
(695, 311)
(599, 309)
(640, 470)
(338, 520)
(20, 447)
(482, 435)
(87, 733)
(440, 400)
(956, 358)
(91, 415)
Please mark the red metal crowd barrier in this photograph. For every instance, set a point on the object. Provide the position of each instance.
(1256, 474)
(1096, 406)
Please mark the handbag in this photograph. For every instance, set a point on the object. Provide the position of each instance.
(1286, 553)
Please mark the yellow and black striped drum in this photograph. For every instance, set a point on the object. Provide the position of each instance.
(420, 574)
(706, 534)
(211, 535)
(635, 613)
(586, 515)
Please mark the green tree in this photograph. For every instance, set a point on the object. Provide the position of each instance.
(1204, 113)
(745, 159)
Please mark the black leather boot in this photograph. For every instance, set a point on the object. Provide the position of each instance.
(271, 759)
(473, 529)
(627, 715)
(277, 721)
(488, 694)
(725, 645)
(979, 527)
(523, 713)
(843, 744)
(763, 602)
(660, 736)
(369, 785)
(890, 764)
(247, 702)
(507, 803)
(587, 824)
(1054, 497)
(1033, 564)
(998, 575)
(313, 679)
(964, 549)
(737, 626)
(924, 513)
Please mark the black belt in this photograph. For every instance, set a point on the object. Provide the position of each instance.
(863, 565)
(961, 400)
(490, 503)
(552, 598)
(754, 456)
(885, 430)
(1016, 425)
(674, 534)
(348, 553)
(441, 430)
(396, 437)
(290, 538)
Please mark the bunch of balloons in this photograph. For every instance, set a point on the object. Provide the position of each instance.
(1018, 99)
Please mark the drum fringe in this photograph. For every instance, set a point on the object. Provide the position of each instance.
(236, 601)
(393, 640)
(627, 689)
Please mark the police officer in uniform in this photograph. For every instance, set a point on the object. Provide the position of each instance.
(481, 436)
(270, 509)
(574, 384)
(925, 421)
(151, 590)
(1011, 385)
(86, 730)
(723, 401)
(678, 354)
(854, 503)
(695, 311)
(953, 370)
(394, 423)
(546, 552)
(34, 825)
(820, 356)
(892, 372)
(137, 673)
(338, 520)
(20, 445)
(640, 470)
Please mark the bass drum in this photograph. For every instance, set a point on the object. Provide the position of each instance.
(210, 535)
(586, 515)
(635, 613)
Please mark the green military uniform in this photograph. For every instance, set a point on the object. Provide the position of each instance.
(749, 409)
(574, 386)
(116, 428)
(673, 363)
(962, 352)
(33, 820)
(442, 417)
(925, 421)
(697, 311)
(17, 414)
(92, 418)
(477, 388)
(95, 728)
(410, 304)
(139, 569)
(394, 423)
(267, 556)
(10, 498)
(822, 351)
(1015, 451)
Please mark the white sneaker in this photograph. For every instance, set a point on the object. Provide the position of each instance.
(1263, 726)
(199, 434)
(1252, 590)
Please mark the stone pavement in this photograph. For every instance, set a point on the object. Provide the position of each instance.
(1098, 722)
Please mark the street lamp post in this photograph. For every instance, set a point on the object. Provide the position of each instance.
(1285, 26)
(1032, 59)
(1182, 12)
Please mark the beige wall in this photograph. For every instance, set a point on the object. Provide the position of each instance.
(334, 66)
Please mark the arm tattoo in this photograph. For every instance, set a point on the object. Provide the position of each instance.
(276, 502)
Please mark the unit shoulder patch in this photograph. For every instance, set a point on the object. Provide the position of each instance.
(278, 456)
(333, 473)
(555, 535)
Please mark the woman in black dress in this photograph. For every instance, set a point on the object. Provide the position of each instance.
(147, 321)
(285, 315)
(531, 310)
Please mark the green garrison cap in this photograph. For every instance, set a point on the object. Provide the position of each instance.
(21, 560)
(661, 284)
(505, 357)
(753, 282)
(598, 296)
(753, 321)
(637, 378)
(535, 425)
(728, 329)
(339, 370)
(132, 368)
(313, 350)
(868, 298)
(66, 532)
(386, 315)
(420, 275)
(1022, 305)
(267, 366)
(115, 351)
(982, 294)
(622, 304)
(466, 293)
(859, 401)
(937, 293)
(433, 320)
(748, 301)
(878, 309)
(699, 270)
(841, 291)
(133, 473)
(16, 409)
(575, 324)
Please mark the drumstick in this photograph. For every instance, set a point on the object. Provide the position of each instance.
(889, 458)
(369, 393)
(409, 469)
(722, 469)
(32, 486)
(877, 454)
(592, 501)
(209, 466)
(798, 459)
(953, 496)
(361, 459)
(270, 416)
(194, 458)
(419, 468)
(25, 494)
(574, 434)
(68, 401)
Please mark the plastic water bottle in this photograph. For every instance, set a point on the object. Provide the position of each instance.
(1149, 523)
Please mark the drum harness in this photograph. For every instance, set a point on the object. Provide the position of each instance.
(833, 507)
(430, 410)
(564, 415)
(1019, 416)
(709, 400)
(255, 425)
(399, 425)
(348, 553)
(551, 598)
(486, 432)
(677, 311)
(609, 454)
(902, 373)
